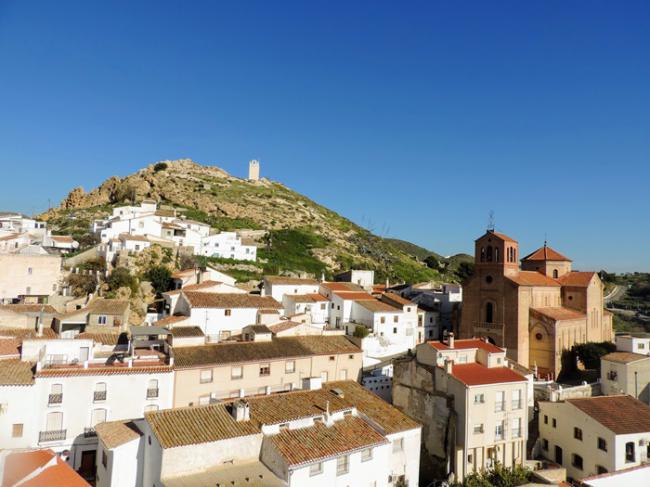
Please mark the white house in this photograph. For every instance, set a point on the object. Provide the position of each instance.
(634, 343)
(595, 435)
(188, 277)
(278, 286)
(362, 278)
(315, 305)
(354, 438)
(227, 245)
(29, 275)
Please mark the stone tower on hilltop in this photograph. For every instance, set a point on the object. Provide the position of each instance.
(254, 170)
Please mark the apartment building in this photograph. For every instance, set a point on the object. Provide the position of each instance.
(334, 434)
(626, 373)
(205, 374)
(595, 435)
(474, 403)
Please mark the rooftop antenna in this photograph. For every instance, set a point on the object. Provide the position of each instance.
(491, 221)
(545, 239)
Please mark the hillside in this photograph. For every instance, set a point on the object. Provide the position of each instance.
(303, 235)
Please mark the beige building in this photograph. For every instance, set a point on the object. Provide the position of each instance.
(473, 405)
(626, 373)
(536, 312)
(29, 277)
(595, 435)
(227, 370)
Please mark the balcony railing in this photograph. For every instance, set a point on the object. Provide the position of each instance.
(494, 327)
(99, 396)
(152, 393)
(89, 432)
(55, 399)
(54, 435)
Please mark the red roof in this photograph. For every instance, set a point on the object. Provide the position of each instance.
(341, 286)
(560, 313)
(576, 279)
(533, 278)
(467, 344)
(55, 474)
(501, 236)
(546, 253)
(477, 375)
(354, 296)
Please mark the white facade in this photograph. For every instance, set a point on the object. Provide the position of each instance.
(277, 288)
(227, 245)
(635, 344)
(29, 275)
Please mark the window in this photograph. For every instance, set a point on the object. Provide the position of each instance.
(546, 419)
(324, 376)
(227, 312)
(265, 369)
(366, 454)
(342, 465)
(577, 433)
(17, 430)
(315, 469)
(236, 372)
(29, 270)
(395, 319)
(576, 461)
(351, 356)
(602, 444)
(322, 306)
(612, 375)
(488, 279)
(332, 358)
(554, 423)
(382, 320)
(398, 445)
(488, 254)
(98, 416)
(56, 394)
(641, 346)
(394, 330)
(498, 431)
(470, 459)
(516, 428)
(516, 399)
(104, 459)
(479, 398)
(101, 320)
(290, 366)
(489, 312)
(629, 452)
(206, 376)
(555, 274)
(100, 392)
(478, 429)
(500, 402)
(545, 444)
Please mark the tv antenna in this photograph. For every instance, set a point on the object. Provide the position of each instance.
(490, 226)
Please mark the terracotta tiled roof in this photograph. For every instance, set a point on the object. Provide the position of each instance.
(576, 279)
(378, 306)
(354, 295)
(105, 338)
(20, 464)
(319, 442)
(533, 278)
(624, 357)
(183, 273)
(165, 213)
(476, 374)
(54, 472)
(62, 238)
(108, 306)
(284, 347)
(342, 286)
(16, 373)
(546, 253)
(268, 312)
(290, 281)
(10, 347)
(58, 475)
(116, 433)
(396, 298)
(134, 238)
(201, 285)
(28, 308)
(306, 298)
(500, 236)
(171, 320)
(228, 300)
(621, 414)
(559, 313)
(263, 329)
(28, 334)
(104, 370)
(465, 344)
(283, 326)
(187, 331)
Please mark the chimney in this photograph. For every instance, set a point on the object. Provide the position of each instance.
(241, 410)
(449, 366)
(450, 339)
(39, 325)
(387, 283)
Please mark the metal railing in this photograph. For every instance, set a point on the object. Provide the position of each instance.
(55, 399)
(488, 326)
(152, 392)
(90, 432)
(54, 435)
(99, 396)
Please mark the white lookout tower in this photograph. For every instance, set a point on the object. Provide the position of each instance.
(254, 170)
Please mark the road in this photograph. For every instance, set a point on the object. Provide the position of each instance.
(615, 294)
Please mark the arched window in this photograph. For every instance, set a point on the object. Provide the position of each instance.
(496, 254)
(555, 274)
(488, 254)
(482, 254)
(489, 312)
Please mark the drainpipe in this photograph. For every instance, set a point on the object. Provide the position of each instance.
(636, 384)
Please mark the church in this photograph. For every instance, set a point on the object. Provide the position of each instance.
(536, 311)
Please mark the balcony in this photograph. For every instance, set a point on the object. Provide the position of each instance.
(488, 327)
(53, 399)
(90, 432)
(54, 435)
(152, 393)
(99, 396)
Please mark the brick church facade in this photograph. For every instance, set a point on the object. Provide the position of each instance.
(537, 311)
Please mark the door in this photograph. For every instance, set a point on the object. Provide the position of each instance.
(87, 467)
(558, 455)
(83, 354)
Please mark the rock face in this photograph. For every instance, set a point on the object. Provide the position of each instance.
(259, 205)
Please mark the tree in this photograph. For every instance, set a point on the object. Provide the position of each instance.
(432, 262)
(465, 270)
(161, 166)
(122, 277)
(361, 331)
(499, 476)
(81, 284)
(590, 353)
(160, 278)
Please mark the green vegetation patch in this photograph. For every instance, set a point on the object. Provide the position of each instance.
(291, 250)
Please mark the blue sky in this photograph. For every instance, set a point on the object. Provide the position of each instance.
(418, 117)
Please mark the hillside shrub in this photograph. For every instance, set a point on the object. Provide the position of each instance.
(161, 166)
(361, 331)
(590, 353)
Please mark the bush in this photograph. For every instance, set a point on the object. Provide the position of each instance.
(160, 278)
(161, 166)
(361, 331)
(81, 284)
(590, 353)
(499, 476)
(122, 277)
